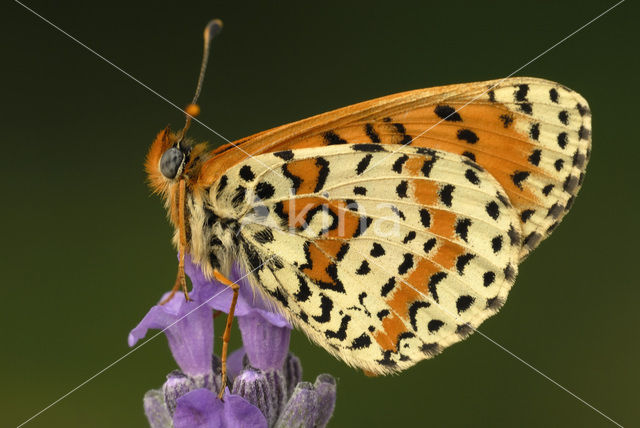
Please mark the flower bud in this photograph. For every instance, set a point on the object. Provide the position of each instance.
(177, 385)
(155, 409)
(302, 408)
(326, 389)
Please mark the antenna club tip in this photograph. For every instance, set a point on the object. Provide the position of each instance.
(192, 110)
(213, 28)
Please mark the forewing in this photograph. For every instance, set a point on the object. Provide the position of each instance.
(532, 135)
(383, 255)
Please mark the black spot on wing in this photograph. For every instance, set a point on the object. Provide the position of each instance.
(361, 342)
(563, 116)
(553, 95)
(526, 215)
(434, 280)
(547, 189)
(488, 278)
(359, 190)
(388, 286)
(496, 243)
(428, 246)
(584, 133)
(409, 237)
(493, 209)
(397, 165)
(446, 194)
(425, 217)
(333, 139)
(447, 113)
(434, 325)
(371, 133)
(467, 135)
(514, 236)
(343, 251)
(295, 180)
(469, 155)
(534, 157)
(401, 189)
(368, 148)
(363, 164)
(570, 183)
(286, 155)
(534, 131)
(507, 120)
(472, 177)
(583, 110)
(264, 190)
(413, 312)
(323, 173)
(521, 93)
(377, 250)
(563, 140)
(406, 264)
(326, 305)
(406, 139)
(341, 333)
(304, 292)
(464, 302)
(525, 108)
(246, 173)
(364, 268)
(462, 261)
(518, 177)
(462, 228)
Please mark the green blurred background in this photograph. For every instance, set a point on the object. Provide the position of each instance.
(86, 248)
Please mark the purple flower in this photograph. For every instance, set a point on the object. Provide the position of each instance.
(265, 334)
(190, 332)
(202, 409)
(264, 376)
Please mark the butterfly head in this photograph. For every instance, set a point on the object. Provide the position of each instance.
(172, 156)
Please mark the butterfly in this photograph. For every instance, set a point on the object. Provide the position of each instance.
(390, 229)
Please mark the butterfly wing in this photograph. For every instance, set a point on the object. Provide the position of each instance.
(532, 135)
(381, 265)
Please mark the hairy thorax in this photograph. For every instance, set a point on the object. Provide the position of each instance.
(212, 233)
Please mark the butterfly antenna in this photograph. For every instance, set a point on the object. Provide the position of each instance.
(212, 29)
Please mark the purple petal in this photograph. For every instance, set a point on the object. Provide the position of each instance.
(202, 409)
(235, 363)
(189, 330)
(266, 345)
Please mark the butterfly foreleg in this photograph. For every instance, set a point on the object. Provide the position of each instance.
(227, 329)
(181, 281)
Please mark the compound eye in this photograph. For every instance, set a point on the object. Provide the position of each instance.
(170, 162)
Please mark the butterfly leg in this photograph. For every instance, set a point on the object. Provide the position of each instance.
(181, 282)
(227, 329)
